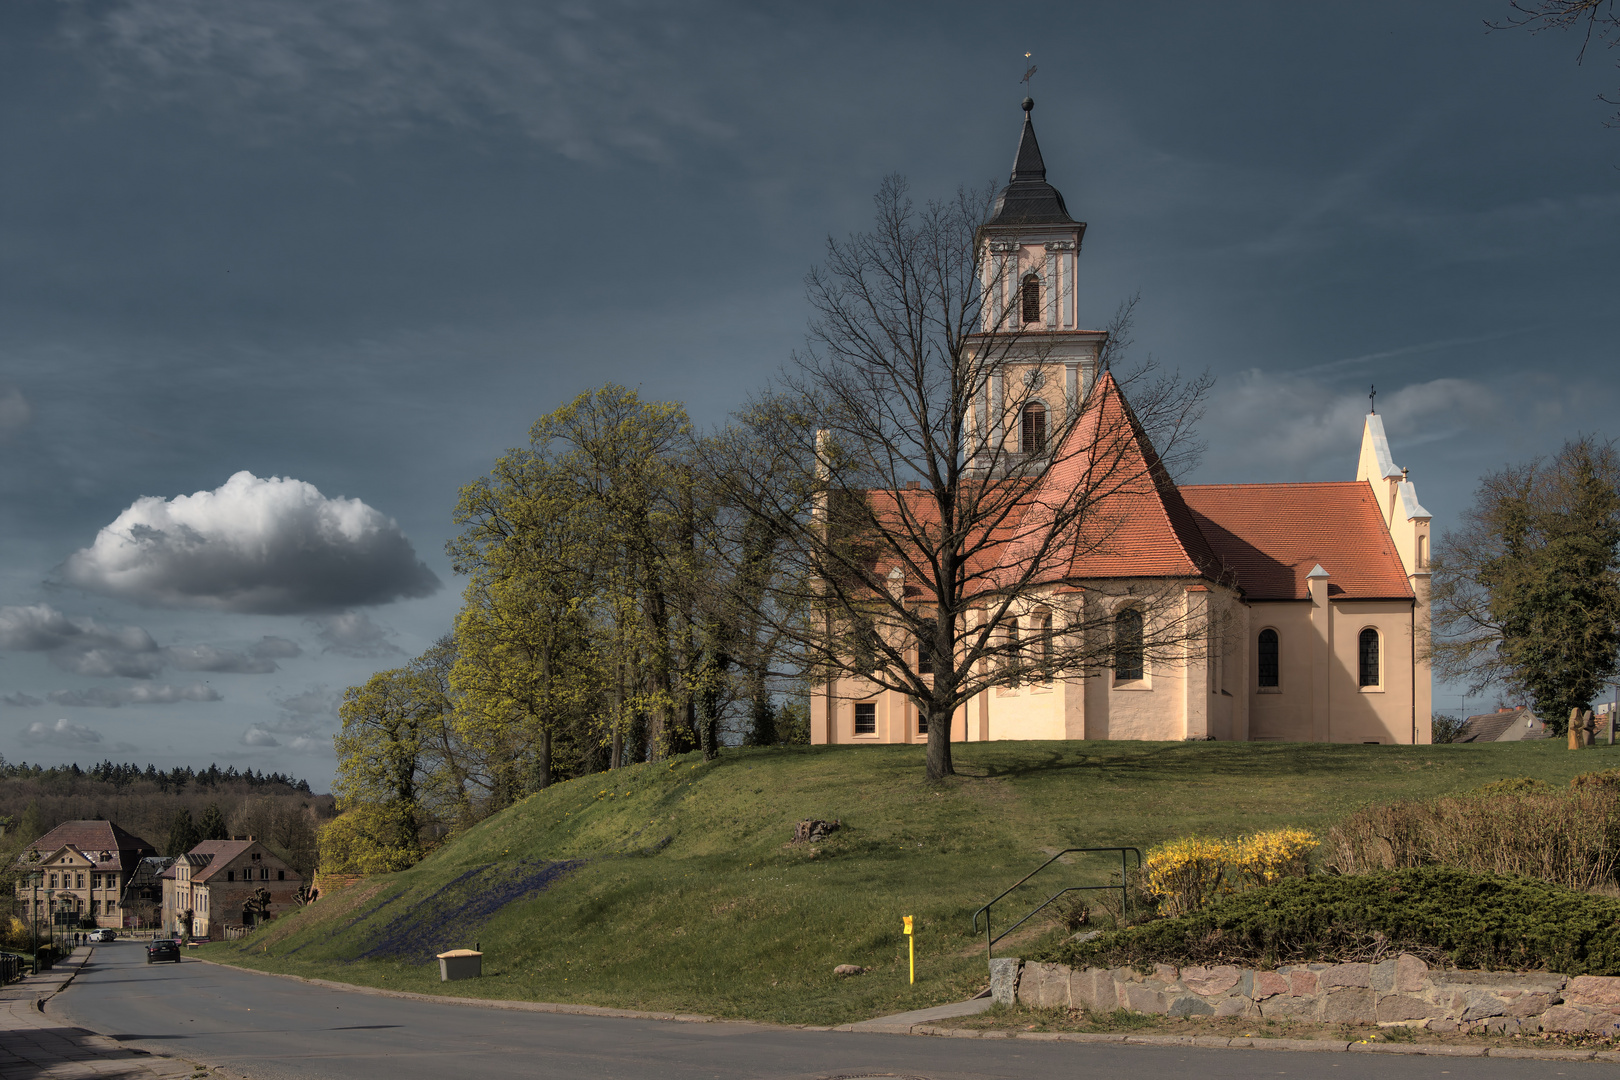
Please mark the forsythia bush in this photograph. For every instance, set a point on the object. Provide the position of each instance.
(1268, 857)
(1186, 874)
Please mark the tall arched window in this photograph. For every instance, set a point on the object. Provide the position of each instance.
(1015, 649)
(1030, 296)
(1268, 657)
(1369, 657)
(1044, 624)
(1128, 645)
(1033, 425)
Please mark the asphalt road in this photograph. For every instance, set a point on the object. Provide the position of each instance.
(277, 1029)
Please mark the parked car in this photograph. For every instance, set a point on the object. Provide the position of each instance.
(163, 949)
(106, 933)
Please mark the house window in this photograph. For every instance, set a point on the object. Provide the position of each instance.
(53, 881)
(1033, 426)
(80, 883)
(922, 723)
(1030, 294)
(95, 907)
(1128, 645)
(1268, 657)
(281, 875)
(264, 873)
(230, 875)
(866, 718)
(1369, 657)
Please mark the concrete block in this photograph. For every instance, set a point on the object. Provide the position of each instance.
(1004, 979)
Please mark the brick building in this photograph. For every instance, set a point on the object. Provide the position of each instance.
(217, 877)
(86, 865)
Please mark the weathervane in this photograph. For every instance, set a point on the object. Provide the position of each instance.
(1030, 74)
(1372, 398)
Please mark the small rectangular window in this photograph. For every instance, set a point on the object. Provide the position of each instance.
(281, 875)
(922, 724)
(230, 875)
(866, 718)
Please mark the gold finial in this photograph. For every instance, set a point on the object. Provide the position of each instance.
(1030, 74)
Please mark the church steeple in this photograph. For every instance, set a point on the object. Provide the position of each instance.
(1028, 199)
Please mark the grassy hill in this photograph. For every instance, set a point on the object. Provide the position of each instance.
(673, 886)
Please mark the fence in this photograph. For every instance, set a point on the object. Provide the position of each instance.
(11, 967)
(237, 933)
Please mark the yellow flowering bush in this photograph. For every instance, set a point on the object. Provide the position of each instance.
(1268, 857)
(1186, 874)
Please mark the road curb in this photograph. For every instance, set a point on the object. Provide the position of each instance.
(875, 1026)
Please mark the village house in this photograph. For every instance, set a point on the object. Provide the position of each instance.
(1315, 594)
(216, 880)
(85, 866)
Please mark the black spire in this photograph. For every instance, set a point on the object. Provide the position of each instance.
(1028, 199)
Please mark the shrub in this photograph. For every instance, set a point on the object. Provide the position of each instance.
(1608, 778)
(1445, 728)
(1440, 913)
(1184, 875)
(1268, 857)
(1569, 837)
(1513, 785)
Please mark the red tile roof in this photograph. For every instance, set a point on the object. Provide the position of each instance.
(92, 838)
(1132, 521)
(1272, 535)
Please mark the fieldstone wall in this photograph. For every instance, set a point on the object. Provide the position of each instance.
(1401, 991)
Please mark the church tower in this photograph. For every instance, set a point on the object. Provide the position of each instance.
(1039, 363)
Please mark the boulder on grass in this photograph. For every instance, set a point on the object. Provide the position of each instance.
(849, 969)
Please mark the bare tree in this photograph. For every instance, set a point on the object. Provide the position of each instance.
(1596, 20)
(929, 546)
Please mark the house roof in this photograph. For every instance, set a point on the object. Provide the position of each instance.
(92, 838)
(191, 858)
(1028, 199)
(220, 853)
(1490, 727)
(1271, 536)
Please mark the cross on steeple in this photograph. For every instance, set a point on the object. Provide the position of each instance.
(1030, 74)
(1372, 398)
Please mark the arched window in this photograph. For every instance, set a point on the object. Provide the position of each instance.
(1268, 657)
(1044, 624)
(1030, 296)
(1033, 424)
(1128, 645)
(1015, 649)
(1369, 657)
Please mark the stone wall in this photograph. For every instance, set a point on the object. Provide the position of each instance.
(1401, 991)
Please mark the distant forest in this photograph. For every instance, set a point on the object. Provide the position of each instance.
(171, 809)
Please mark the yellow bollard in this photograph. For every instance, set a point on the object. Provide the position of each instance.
(911, 947)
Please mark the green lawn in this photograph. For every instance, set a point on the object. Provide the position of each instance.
(725, 917)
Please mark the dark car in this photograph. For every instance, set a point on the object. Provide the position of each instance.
(163, 949)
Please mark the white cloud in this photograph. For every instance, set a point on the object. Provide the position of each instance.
(257, 736)
(208, 658)
(1267, 426)
(15, 412)
(267, 546)
(353, 634)
(102, 697)
(61, 733)
(305, 723)
(583, 79)
(82, 646)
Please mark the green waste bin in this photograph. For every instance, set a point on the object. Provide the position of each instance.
(460, 964)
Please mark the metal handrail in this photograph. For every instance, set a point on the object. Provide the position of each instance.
(1124, 894)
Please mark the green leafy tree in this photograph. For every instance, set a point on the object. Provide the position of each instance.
(1527, 593)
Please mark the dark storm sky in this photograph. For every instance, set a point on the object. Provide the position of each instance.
(360, 245)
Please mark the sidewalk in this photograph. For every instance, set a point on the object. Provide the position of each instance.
(34, 1046)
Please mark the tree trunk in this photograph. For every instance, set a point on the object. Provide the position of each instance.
(939, 742)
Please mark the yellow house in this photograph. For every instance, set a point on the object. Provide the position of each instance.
(1315, 594)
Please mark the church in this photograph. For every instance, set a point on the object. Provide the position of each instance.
(1320, 589)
